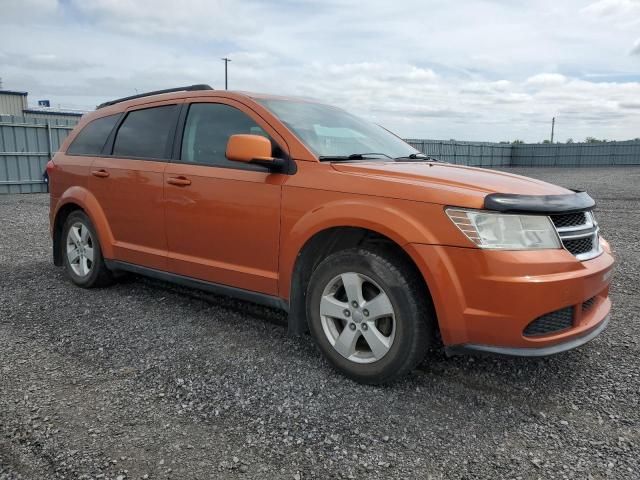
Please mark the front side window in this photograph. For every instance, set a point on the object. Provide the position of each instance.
(332, 132)
(146, 133)
(93, 136)
(207, 131)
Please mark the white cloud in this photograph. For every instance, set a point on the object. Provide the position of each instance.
(487, 70)
(613, 8)
(630, 105)
(546, 79)
(191, 18)
(44, 62)
(636, 48)
(17, 10)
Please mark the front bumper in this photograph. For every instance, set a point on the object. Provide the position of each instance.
(473, 349)
(485, 299)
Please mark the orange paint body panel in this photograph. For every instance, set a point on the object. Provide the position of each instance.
(489, 297)
(131, 196)
(225, 227)
(245, 229)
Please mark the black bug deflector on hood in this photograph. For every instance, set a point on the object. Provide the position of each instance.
(544, 204)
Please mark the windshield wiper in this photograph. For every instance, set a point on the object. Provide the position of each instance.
(353, 156)
(418, 156)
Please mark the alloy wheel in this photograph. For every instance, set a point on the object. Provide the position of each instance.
(357, 317)
(80, 252)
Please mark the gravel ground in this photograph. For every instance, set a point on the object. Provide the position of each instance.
(146, 380)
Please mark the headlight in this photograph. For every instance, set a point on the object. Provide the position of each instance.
(505, 231)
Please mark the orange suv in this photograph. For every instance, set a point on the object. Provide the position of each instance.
(374, 248)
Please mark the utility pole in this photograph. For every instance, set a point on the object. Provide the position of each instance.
(553, 126)
(226, 62)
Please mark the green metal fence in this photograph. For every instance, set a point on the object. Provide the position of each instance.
(479, 154)
(486, 154)
(26, 144)
(576, 154)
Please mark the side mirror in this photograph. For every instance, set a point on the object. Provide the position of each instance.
(252, 149)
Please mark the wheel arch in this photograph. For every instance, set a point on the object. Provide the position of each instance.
(326, 242)
(78, 198)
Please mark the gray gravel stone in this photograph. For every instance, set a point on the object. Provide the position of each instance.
(175, 383)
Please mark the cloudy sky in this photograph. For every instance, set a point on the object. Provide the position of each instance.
(464, 69)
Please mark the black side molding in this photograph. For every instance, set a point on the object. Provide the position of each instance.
(215, 288)
(514, 203)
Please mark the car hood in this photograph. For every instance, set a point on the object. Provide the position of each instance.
(445, 183)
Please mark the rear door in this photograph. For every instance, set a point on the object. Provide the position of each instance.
(223, 217)
(128, 183)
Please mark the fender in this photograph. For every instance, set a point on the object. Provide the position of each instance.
(370, 213)
(88, 202)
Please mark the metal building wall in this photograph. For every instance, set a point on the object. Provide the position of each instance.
(26, 144)
(43, 115)
(12, 103)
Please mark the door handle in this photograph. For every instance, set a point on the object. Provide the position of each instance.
(102, 173)
(179, 181)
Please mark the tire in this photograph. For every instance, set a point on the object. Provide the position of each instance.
(387, 345)
(81, 253)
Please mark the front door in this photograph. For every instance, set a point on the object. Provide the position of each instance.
(129, 185)
(222, 217)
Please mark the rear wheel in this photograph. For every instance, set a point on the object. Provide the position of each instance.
(81, 252)
(370, 314)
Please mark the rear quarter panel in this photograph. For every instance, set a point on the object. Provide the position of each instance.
(68, 171)
(69, 182)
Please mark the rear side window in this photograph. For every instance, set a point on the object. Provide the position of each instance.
(93, 136)
(207, 131)
(146, 133)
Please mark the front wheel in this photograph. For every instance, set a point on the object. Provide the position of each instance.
(370, 314)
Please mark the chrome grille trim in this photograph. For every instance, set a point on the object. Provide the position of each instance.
(581, 233)
(589, 229)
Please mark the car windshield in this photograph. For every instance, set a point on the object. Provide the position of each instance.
(333, 134)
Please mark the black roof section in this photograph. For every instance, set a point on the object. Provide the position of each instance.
(13, 92)
(52, 112)
(189, 88)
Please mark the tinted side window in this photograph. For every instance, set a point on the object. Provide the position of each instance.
(207, 130)
(145, 133)
(93, 136)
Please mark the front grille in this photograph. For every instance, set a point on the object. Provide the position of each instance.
(550, 323)
(569, 220)
(588, 304)
(579, 234)
(579, 246)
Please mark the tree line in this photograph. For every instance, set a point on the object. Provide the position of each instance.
(570, 140)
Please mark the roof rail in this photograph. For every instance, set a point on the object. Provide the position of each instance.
(188, 88)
